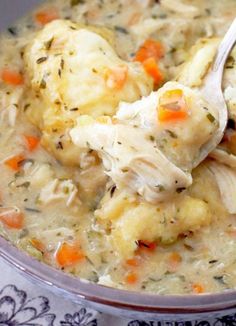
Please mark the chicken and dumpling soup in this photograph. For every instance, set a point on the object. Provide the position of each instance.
(102, 121)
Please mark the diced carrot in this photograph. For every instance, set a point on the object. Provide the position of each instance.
(198, 288)
(151, 67)
(14, 162)
(69, 254)
(32, 142)
(133, 262)
(131, 278)
(134, 19)
(46, 16)
(166, 116)
(150, 49)
(116, 77)
(12, 218)
(174, 261)
(92, 14)
(172, 106)
(37, 244)
(12, 77)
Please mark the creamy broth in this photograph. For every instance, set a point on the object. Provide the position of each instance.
(72, 216)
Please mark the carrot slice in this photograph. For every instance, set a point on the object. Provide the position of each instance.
(134, 19)
(37, 244)
(172, 106)
(12, 218)
(14, 162)
(166, 116)
(131, 278)
(116, 77)
(133, 262)
(32, 142)
(46, 16)
(174, 261)
(151, 67)
(198, 288)
(12, 77)
(150, 49)
(69, 254)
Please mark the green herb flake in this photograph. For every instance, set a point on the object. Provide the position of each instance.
(66, 190)
(48, 44)
(62, 64)
(12, 31)
(179, 190)
(121, 30)
(220, 279)
(172, 134)
(24, 185)
(210, 117)
(76, 2)
(41, 60)
(160, 188)
(43, 84)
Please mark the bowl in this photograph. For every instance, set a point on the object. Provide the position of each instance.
(119, 302)
(123, 303)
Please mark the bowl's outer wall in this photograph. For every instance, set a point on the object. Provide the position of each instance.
(11, 10)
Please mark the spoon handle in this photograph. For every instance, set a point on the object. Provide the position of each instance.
(212, 90)
(224, 49)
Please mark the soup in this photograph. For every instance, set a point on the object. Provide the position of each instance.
(95, 180)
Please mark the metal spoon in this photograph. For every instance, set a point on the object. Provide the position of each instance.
(212, 91)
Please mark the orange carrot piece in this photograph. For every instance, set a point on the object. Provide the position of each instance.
(69, 254)
(116, 77)
(32, 142)
(166, 115)
(134, 19)
(133, 262)
(151, 67)
(37, 244)
(12, 219)
(198, 288)
(46, 16)
(14, 162)
(174, 261)
(150, 49)
(12, 77)
(131, 278)
(172, 106)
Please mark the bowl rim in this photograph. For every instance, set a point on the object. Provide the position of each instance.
(106, 296)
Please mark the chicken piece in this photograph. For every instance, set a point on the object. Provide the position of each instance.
(131, 220)
(58, 190)
(74, 70)
(151, 145)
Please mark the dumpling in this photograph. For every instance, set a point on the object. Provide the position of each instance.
(74, 70)
(130, 220)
